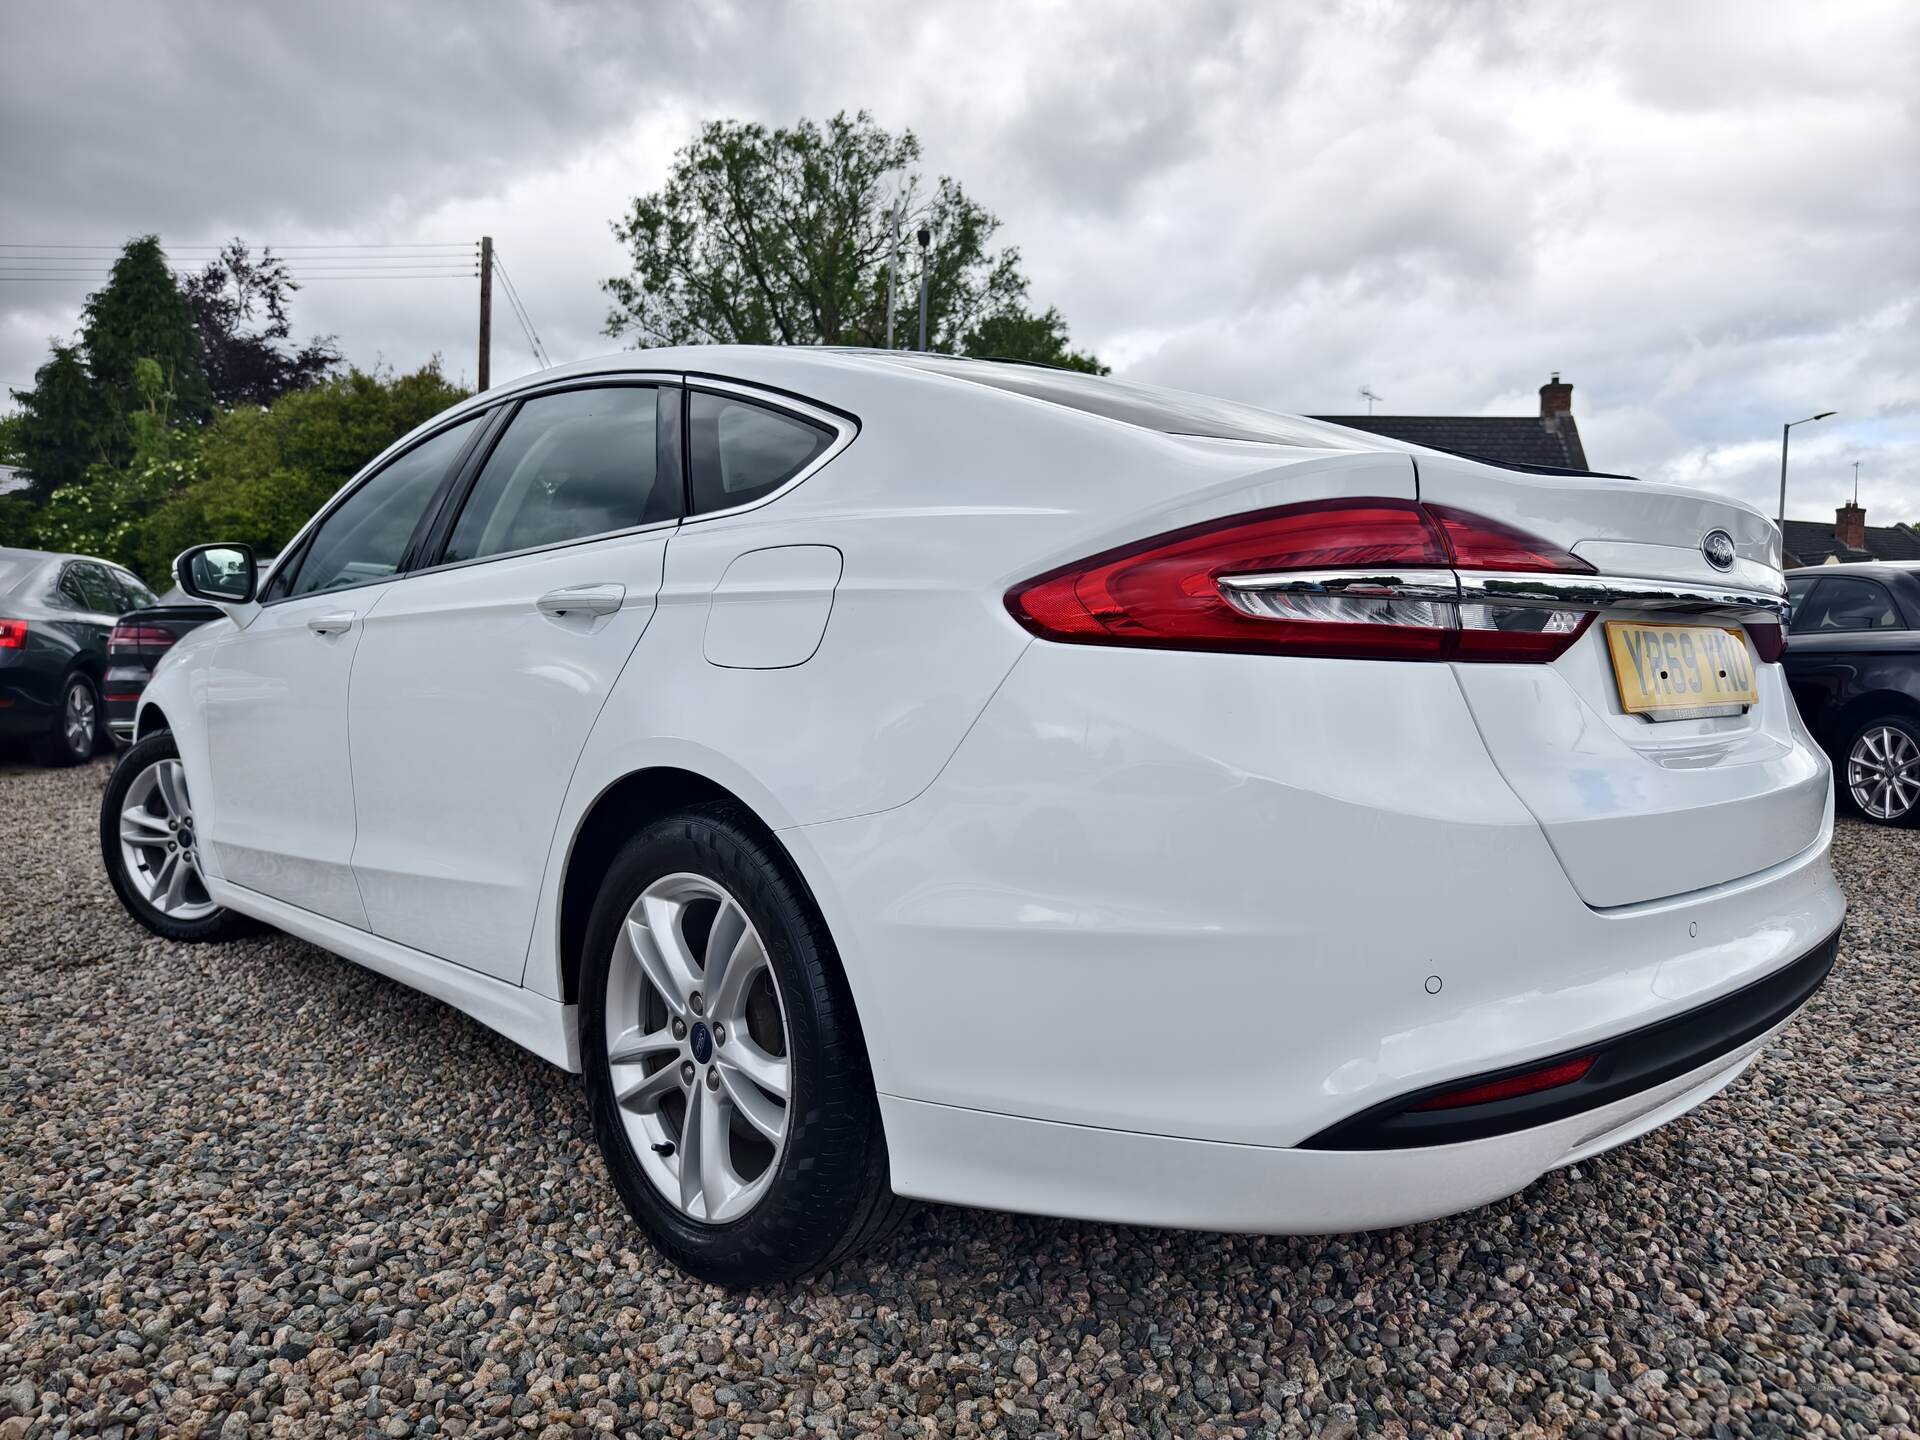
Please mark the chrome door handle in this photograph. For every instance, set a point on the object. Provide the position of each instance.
(582, 600)
(337, 622)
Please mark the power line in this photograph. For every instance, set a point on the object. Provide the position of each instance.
(520, 312)
(464, 246)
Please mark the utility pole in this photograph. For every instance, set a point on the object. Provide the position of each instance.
(1366, 393)
(486, 310)
(926, 238)
(893, 264)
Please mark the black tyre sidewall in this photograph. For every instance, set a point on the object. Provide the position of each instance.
(828, 1163)
(1843, 792)
(52, 747)
(222, 924)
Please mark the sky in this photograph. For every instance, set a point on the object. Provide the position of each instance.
(1705, 216)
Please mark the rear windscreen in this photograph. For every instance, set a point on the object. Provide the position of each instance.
(1173, 412)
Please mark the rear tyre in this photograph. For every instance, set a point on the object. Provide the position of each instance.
(76, 725)
(1880, 771)
(152, 851)
(725, 1067)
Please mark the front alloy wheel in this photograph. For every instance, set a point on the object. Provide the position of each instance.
(725, 1068)
(152, 847)
(1883, 771)
(157, 845)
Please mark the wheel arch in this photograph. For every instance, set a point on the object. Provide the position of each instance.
(616, 814)
(1863, 708)
(150, 721)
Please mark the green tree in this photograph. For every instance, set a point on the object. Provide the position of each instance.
(59, 422)
(140, 314)
(256, 475)
(784, 236)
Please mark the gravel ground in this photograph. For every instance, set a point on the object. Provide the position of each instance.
(255, 1190)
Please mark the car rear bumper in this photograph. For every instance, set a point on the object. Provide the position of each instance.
(121, 696)
(1002, 1162)
(1242, 900)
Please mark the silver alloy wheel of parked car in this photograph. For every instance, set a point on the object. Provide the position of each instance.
(1883, 772)
(158, 843)
(697, 1047)
(81, 719)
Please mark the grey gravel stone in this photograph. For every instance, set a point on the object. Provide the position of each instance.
(253, 1189)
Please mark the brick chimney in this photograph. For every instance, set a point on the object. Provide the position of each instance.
(1850, 526)
(1555, 398)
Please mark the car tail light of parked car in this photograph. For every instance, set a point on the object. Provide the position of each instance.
(13, 634)
(129, 636)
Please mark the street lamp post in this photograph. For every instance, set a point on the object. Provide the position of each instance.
(1785, 431)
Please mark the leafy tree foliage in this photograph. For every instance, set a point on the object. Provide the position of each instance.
(140, 314)
(258, 474)
(239, 307)
(784, 236)
(59, 422)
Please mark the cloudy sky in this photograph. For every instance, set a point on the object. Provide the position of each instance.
(1706, 216)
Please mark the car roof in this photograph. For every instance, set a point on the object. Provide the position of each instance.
(802, 367)
(1858, 567)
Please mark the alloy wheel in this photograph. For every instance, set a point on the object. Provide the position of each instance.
(158, 845)
(697, 1048)
(80, 719)
(1883, 772)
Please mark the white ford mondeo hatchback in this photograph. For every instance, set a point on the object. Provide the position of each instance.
(886, 775)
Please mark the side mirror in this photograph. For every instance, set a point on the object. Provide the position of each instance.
(223, 574)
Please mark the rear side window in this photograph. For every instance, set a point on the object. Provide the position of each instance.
(88, 588)
(742, 451)
(571, 465)
(133, 595)
(365, 539)
(1843, 603)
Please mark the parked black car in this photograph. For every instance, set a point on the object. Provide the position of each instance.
(138, 642)
(1853, 662)
(56, 612)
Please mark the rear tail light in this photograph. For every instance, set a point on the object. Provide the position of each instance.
(13, 634)
(1371, 579)
(129, 636)
(1769, 640)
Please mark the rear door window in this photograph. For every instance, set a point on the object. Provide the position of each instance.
(571, 465)
(1844, 603)
(742, 452)
(364, 540)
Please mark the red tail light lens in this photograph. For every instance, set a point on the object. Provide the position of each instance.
(13, 634)
(129, 636)
(1769, 640)
(1531, 1082)
(1167, 592)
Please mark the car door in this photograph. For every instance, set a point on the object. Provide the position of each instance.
(276, 690)
(95, 606)
(479, 677)
(1841, 628)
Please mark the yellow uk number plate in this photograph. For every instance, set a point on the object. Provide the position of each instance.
(1672, 671)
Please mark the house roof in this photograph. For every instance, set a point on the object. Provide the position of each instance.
(1510, 439)
(1811, 542)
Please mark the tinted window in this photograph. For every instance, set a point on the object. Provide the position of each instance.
(742, 451)
(365, 539)
(133, 595)
(578, 463)
(88, 588)
(1841, 603)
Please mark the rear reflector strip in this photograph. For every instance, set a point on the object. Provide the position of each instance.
(1529, 1083)
(1478, 1106)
